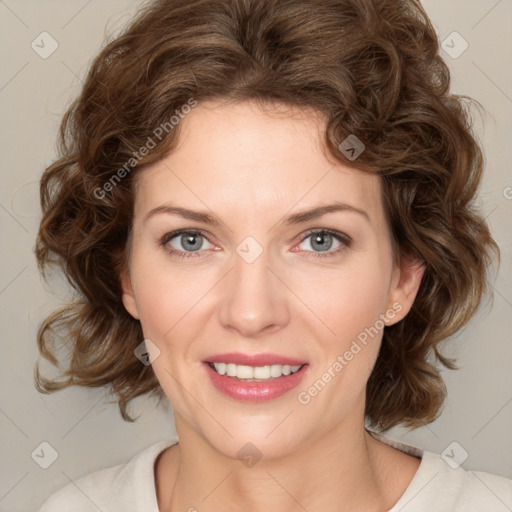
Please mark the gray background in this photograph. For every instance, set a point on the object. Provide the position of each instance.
(87, 431)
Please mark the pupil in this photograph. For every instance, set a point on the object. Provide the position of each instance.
(320, 238)
(189, 239)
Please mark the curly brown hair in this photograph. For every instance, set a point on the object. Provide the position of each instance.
(372, 68)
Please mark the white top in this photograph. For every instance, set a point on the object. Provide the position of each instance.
(436, 487)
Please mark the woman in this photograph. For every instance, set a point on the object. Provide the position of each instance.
(266, 208)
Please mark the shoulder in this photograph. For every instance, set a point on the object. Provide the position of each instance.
(439, 485)
(484, 491)
(129, 486)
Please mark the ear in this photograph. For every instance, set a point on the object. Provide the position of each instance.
(128, 295)
(405, 284)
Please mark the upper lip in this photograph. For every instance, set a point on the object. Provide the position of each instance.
(265, 359)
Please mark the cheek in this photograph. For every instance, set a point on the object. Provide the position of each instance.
(166, 306)
(350, 306)
(347, 301)
(167, 295)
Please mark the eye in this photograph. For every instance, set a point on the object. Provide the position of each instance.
(184, 243)
(323, 240)
(190, 243)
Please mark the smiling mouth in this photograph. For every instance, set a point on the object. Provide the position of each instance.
(254, 373)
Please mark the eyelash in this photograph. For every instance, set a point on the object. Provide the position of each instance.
(344, 239)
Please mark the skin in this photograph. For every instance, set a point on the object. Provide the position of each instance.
(251, 168)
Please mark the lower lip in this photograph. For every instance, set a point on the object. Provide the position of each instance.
(255, 391)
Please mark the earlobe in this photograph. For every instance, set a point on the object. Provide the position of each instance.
(406, 283)
(128, 296)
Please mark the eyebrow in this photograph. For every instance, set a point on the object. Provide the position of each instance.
(296, 218)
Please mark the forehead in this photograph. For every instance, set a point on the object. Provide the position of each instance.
(238, 158)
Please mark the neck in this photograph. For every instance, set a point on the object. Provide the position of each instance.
(341, 470)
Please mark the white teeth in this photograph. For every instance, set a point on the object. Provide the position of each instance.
(261, 372)
(221, 368)
(254, 372)
(244, 372)
(276, 370)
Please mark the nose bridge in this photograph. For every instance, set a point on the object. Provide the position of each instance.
(254, 299)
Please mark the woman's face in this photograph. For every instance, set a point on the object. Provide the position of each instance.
(254, 281)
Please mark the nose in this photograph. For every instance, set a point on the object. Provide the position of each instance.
(254, 299)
